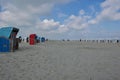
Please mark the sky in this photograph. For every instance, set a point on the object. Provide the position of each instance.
(63, 19)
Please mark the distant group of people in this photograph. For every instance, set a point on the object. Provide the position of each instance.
(100, 41)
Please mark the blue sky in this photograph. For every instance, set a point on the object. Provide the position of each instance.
(63, 19)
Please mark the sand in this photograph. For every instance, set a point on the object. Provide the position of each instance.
(62, 60)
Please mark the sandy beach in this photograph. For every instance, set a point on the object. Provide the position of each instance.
(62, 60)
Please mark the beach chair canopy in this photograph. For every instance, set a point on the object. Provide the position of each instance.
(6, 31)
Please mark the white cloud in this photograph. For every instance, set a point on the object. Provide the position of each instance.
(110, 10)
(63, 29)
(72, 17)
(15, 17)
(41, 9)
(26, 11)
(47, 25)
(51, 27)
(77, 22)
(93, 21)
(36, 3)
